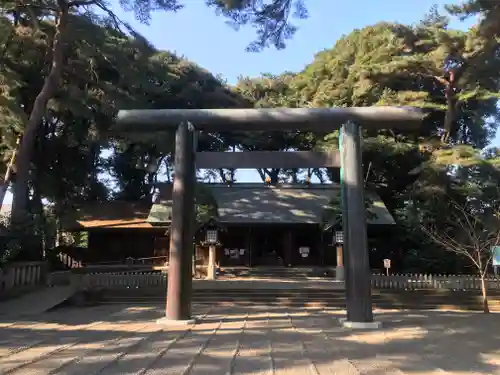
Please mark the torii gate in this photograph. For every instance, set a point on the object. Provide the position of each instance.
(188, 121)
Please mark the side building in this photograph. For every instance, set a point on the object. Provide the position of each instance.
(282, 225)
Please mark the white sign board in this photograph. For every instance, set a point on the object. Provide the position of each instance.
(387, 265)
(304, 252)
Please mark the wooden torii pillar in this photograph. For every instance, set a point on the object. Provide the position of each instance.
(358, 275)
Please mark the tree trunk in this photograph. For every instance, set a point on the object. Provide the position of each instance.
(24, 155)
(484, 292)
(274, 174)
(222, 175)
(262, 173)
(4, 185)
(320, 175)
(449, 119)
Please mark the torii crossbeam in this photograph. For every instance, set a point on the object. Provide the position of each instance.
(188, 121)
(268, 119)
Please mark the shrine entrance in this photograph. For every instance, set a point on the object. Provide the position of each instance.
(269, 247)
(189, 121)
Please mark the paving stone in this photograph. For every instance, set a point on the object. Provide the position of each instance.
(257, 340)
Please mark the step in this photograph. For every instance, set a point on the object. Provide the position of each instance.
(302, 300)
(331, 298)
(427, 306)
(304, 293)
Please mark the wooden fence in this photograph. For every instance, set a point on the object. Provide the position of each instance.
(421, 281)
(135, 279)
(22, 274)
(62, 278)
(126, 279)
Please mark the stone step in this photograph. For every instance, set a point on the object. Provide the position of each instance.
(273, 272)
(299, 293)
(258, 298)
(319, 298)
(322, 304)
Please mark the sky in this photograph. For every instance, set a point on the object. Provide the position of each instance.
(198, 34)
(201, 36)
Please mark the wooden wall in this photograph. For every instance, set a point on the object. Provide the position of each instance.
(241, 245)
(117, 245)
(276, 245)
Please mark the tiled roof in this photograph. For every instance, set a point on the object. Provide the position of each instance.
(259, 203)
(238, 203)
(117, 214)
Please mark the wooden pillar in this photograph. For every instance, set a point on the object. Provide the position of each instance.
(340, 256)
(339, 269)
(358, 278)
(182, 227)
(212, 268)
(322, 248)
(288, 253)
(249, 247)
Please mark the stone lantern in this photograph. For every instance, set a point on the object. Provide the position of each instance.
(338, 239)
(212, 228)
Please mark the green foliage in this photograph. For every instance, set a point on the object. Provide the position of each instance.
(81, 239)
(20, 241)
(37, 39)
(271, 91)
(393, 64)
(489, 12)
(270, 18)
(12, 117)
(105, 69)
(332, 216)
(206, 205)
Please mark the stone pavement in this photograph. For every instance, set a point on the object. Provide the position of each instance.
(37, 301)
(124, 340)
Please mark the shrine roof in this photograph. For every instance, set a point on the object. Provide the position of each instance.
(239, 203)
(258, 203)
(285, 204)
(109, 215)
